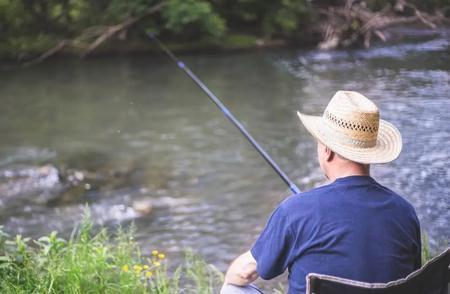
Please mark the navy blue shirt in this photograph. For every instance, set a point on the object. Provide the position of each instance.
(353, 228)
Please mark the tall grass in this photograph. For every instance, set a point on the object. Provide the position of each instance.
(427, 252)
(96, 263)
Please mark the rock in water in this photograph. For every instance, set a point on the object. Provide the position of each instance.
(143, 206)
(28, 180)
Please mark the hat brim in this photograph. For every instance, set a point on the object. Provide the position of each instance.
(387, 148)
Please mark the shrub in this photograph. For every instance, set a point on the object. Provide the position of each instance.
(96, 263)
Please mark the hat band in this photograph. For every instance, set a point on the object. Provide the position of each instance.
(342, 139)
(369, 124)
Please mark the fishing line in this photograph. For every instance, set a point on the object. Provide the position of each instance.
(227, 113)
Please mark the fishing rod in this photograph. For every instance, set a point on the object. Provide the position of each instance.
(227, 113)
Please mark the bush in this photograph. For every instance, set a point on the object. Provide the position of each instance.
(96, 263)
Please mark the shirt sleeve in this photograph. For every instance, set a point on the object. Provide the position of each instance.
(272, 250)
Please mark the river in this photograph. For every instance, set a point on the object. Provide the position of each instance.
(145, 131)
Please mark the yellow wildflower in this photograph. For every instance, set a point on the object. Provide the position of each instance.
(145, 267)
(125, 268)
(155, 252)
(137, 268)
(148, 274)
(161, 256)
(156, 263)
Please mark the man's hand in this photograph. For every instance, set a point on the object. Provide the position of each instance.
(242, 271)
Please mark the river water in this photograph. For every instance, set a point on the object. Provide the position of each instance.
(144, 131)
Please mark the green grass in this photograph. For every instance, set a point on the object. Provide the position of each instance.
(97, 263)
(427, 252)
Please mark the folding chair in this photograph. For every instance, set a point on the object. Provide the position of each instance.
(432, 278)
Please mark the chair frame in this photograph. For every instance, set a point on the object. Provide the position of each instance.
(313, 277)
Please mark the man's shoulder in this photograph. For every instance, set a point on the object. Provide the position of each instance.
(397, 198)
(309, 198)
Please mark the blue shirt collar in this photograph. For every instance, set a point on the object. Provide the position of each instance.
(354, 180)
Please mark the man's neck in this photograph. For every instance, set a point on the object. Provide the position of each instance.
(354, 169)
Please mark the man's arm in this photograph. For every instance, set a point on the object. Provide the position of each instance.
(242, 270)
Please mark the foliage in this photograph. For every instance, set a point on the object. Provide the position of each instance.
(267, 18)
(25, 22)
(181, 14)
(204, 276)
(426, 253)
(96, 263)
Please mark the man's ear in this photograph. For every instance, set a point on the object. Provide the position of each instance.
(329, 154)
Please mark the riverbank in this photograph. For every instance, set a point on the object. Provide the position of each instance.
(22, 53)
(30, 51)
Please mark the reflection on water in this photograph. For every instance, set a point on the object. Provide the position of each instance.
(148, 132)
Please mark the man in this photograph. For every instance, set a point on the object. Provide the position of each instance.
(353, 227)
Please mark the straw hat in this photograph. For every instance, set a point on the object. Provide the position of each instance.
(351, 127)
